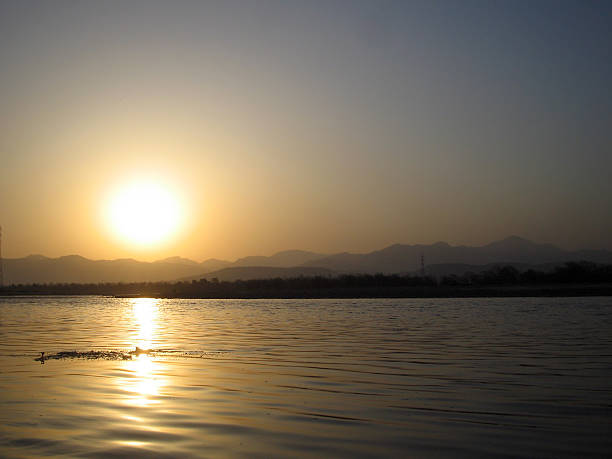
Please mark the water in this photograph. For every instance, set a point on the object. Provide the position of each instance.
(317, 378)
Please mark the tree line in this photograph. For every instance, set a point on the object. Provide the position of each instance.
(495, 281)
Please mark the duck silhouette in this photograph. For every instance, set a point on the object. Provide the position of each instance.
(139, 351)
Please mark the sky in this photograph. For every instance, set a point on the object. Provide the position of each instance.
(328, 126)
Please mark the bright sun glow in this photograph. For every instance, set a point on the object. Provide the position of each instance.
(144, 213)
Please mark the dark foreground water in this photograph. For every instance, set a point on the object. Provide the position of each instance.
(322, 378)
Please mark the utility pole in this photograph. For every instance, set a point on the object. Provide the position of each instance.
(422, 265)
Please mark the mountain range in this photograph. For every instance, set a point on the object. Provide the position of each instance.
(440, 258)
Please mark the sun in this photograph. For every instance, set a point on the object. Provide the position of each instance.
(144, 213)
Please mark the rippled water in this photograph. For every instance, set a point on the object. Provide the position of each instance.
(277, 378)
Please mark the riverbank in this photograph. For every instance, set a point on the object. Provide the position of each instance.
(233, 291)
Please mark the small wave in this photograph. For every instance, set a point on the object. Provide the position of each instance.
(91, 355)
(120, 355)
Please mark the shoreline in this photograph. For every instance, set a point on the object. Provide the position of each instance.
(226, 292)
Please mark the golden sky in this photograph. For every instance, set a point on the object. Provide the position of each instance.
(304, 125)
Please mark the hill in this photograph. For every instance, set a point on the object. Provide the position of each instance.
(74, 268)
(440, 258)
(77, 269)
(406, 258)
(262, 272)
(286, 259)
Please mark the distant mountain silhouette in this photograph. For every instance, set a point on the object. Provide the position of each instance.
(178, 261)
(398, 258)
(74, 268)
(284, 259)
(213, 264)
(445, 269)
(406, 258)
(262, 272)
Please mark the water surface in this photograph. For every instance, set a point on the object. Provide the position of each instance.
(277, 378)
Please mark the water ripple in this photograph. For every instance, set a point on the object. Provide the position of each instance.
(275, 378)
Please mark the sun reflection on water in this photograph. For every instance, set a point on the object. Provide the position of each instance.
(145, 378)
(144, 382)
(144, 311)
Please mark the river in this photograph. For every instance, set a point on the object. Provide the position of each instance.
(514, 377)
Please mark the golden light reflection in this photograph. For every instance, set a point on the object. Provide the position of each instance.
(132, 443)
(145, 376)
(145, 381)
(131, 418)
(144, 311)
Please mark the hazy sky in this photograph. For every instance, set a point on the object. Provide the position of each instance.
(326, 126)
